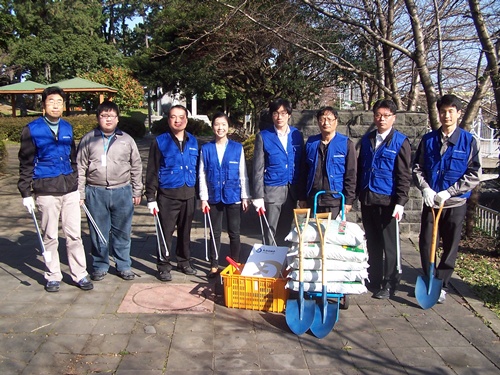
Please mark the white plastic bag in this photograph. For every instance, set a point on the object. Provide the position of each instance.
(338, 232)
(334, 287)
(332, 251)
(340, 276)
(331, 264)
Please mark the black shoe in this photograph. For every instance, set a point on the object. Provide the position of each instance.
(85, 284)
(164, 276)
(383, 293)
(126, 275)
(98, 275)
(373, 287)
(214, 271)
(188, 270)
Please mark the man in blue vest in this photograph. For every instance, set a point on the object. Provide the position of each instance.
(276, 167)
(446, 169)
(47, 168)
(330, 160)
(170, 189)
(384, 178)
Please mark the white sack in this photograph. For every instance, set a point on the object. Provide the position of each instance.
(351, 235)
(332, 251)
(341, 276)
(331, 264)
(339, 288)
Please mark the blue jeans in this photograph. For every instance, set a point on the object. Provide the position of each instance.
(112, 210)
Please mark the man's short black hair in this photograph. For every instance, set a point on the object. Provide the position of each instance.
(180, 107)
(449, 100)
(51, 91)
(385, 103)
(276, 104)
(107, 106)
(324, 110)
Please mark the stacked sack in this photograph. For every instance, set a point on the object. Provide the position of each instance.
(346, 258)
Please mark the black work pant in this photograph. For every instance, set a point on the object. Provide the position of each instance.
(449, 231)
(233, 219)
(180, 213)
(381, 240)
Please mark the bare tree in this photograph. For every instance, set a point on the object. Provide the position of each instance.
(490, 51)
(414, 46)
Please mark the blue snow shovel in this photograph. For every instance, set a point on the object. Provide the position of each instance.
(299, 313)
(325, 315)
(428, 288)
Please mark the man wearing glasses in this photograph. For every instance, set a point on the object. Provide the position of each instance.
(110, 184)
(47, 168)
(276, 167)
(330, 161)
(383, 184)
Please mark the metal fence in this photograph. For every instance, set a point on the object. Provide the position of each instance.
(487, 220)
(488, 137)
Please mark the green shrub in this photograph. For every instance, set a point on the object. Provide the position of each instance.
(194, 126)
(11, 127)
(248, 147)
(132, 126)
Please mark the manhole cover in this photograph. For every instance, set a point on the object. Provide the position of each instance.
(176, 298)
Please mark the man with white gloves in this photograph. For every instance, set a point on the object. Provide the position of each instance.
(171, 176)
(47, 168)
(383, 183)
(446, 169)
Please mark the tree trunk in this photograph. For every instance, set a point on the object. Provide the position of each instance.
(489, 49)
(47, 72)
(412, 99)
(420, 57)
(475, 102)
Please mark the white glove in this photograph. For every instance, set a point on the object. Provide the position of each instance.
(29, 203)
(398, 212)
(259, 203)
(428, 195)
(442, 197)
(153, 208)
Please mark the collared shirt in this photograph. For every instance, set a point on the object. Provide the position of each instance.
(444, 141)
(283, 136)
(380, 138)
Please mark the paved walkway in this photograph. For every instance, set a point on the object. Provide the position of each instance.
(76, 332)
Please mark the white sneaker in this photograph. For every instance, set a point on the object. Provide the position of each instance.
(442, 296)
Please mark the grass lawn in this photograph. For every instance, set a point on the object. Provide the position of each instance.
(478, 264)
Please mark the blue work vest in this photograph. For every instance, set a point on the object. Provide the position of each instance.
(335, 160)
(442, 171)
(53, 153)
(177, 168)
(378, 166)
(223, 180)
(281, 167)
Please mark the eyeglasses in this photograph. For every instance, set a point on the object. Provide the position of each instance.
(282, 113)
(327, 119)
(52, 102)
(106, 117)
(385, 117)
